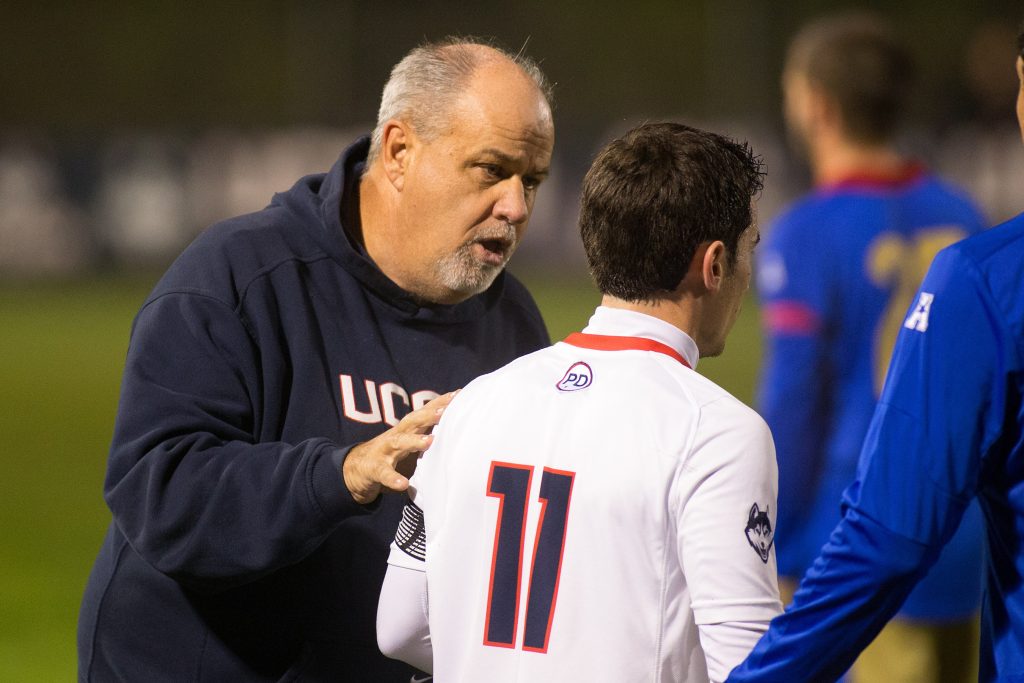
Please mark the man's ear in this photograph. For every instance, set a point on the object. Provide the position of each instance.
(396, 143)
(713, 266)
(824, 109)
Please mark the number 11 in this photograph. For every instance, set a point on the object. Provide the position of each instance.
(510, 484)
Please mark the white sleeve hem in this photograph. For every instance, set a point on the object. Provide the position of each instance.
(727, 644)
(748, 610)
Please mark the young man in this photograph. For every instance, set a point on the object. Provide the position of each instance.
(598, 510)
(835, 277)
(949, 429)
(277, 376)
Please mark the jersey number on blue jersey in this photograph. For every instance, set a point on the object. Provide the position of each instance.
(899, 263)
(510, 484)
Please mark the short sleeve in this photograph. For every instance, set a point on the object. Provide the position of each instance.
(724, 500)
(425, 495)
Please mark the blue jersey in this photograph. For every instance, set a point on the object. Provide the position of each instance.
(949, 429)
(836, 275)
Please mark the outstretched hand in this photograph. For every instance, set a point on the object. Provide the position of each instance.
(372, 466)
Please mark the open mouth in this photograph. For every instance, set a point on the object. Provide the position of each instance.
(491, 251)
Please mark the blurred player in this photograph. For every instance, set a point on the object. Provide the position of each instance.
(837, 272)
(949, 428)
(599, 511)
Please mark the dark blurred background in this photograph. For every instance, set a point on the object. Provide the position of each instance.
(126, 128)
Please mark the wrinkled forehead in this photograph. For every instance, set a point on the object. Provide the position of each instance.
(508, 94)
(516, 119)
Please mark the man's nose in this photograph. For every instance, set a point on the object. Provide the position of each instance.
(512, 205)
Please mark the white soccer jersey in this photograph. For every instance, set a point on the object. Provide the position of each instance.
(591, 511)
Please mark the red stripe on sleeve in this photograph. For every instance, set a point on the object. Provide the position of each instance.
(790, 317)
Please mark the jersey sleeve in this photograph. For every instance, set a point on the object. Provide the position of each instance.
(918, 471)
(793, 289)
(724, 501)
(186, 459)
(727, 643)
(425, 500)
(792, 274)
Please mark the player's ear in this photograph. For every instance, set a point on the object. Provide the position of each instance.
(824, 108)
(713, 269)
(396, 145)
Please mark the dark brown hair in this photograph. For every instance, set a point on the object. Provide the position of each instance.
(653, 196)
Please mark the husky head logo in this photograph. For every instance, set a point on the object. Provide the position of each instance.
(578, 376)
(759, 531)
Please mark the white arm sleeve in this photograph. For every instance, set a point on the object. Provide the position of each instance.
(403, 628)
(403, 615)
(727, 644)
(725, 498)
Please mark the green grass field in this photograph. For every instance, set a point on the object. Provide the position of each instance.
(62, 348)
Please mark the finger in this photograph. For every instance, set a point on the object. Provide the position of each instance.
(401, 445)
(405, 464)
(427, 416)
(391, 479)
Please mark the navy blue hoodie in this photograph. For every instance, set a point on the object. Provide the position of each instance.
(269, 348)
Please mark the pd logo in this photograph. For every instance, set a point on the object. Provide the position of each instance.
(578, 376)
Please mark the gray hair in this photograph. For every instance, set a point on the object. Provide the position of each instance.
(431, 76)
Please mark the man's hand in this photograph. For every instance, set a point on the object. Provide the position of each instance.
(372, 465)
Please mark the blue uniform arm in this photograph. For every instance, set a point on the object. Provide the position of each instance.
(856, 585)
(918, 472)
(793, 392)
(792, 399)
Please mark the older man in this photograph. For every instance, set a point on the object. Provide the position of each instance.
(285, 366)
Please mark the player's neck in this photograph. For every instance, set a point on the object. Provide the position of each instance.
(675, 312)
(835, 159)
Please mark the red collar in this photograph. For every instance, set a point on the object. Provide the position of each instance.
(866, 180)
(604, 342)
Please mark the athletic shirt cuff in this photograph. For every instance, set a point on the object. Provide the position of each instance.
(721, 611)
(329, 490)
